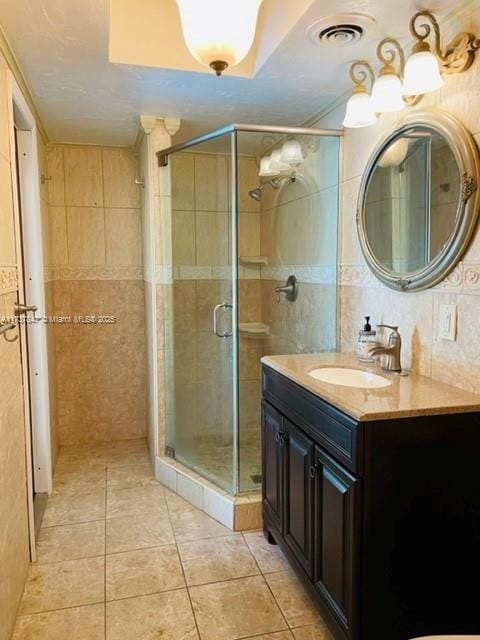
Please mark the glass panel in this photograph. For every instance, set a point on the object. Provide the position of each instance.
(201, 340)
(287, 225)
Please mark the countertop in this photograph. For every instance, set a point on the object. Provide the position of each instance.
(413, 395)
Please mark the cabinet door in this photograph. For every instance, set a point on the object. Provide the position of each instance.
(299, 484)
(336, 536)
(272, 464)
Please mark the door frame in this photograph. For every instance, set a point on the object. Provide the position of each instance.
(31, 271)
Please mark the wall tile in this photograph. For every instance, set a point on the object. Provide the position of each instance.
(183, 238)
(249, 234)
(120, 169)
(123, 232)
(212, 234)
(86, 235)
(248, 179)
(57, 225)
(211, 183)
(183, 182)
(83, 177)
(56, 173)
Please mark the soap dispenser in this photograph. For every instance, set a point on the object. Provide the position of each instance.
(367, 339)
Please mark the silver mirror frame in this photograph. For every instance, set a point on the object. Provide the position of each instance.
(466, 154)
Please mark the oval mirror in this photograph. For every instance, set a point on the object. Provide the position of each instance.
(418, 202)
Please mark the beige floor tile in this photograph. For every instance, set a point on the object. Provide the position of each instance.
(136, 501)
(127, 534)
(64, 584)
(73, 507)
(281, 635)
(312, 632)
(67, 480)
(236, 609)
(164, 615)
(195, 525)
(127, 457)
(269, 556)
(130, 476)
(293, 600)
(217, 559)
(137, 573)
(71, 542)
(82, 623)
(176, 502)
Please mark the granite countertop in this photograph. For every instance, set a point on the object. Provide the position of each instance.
(413, 395)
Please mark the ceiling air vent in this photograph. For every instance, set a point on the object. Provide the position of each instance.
(340, 30)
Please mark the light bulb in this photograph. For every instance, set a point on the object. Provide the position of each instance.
(422, 74)
(219, 33)
(359, 112)
(265, 167)
(292, 153)
(276, 163)
(387, 94)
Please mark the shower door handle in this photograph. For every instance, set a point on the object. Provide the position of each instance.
(216, 330)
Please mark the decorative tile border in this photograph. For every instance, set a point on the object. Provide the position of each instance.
(465, 278)
(313, 274)
(102, 272)
(8, 279)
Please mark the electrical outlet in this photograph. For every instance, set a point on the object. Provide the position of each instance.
(448, 322)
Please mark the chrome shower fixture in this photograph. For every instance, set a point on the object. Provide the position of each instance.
(275, 183)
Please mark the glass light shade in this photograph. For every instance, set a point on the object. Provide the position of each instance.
(395, 154)
(422, 74)
(219, 29)
(359, 112)
(265, 167)
(276, 163)
(387, 94)
(292, 153)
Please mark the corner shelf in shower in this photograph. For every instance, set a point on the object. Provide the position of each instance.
(253, 260)
(254, 329)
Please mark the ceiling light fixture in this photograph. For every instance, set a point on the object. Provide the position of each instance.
(360, 112)
(219, 33)
(422, 73)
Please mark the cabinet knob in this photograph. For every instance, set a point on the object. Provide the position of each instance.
(313, 471)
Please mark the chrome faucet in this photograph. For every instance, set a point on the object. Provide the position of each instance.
(290, 289)
(392, 350)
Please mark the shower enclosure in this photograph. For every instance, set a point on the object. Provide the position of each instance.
(233, 238)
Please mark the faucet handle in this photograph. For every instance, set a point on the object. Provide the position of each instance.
(389, 326)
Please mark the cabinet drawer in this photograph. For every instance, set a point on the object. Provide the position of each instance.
(336, 432)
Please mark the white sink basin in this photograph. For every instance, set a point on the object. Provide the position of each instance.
(346, 377)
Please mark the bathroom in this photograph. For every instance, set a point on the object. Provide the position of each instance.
(176, 290)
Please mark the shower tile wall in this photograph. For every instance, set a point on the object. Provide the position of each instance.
(299, 237)
(96, 268)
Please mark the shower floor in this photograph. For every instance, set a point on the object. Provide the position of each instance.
(212, 459)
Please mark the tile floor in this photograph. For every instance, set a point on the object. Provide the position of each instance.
(120, 557)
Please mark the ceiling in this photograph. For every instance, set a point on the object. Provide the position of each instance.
(62, 47)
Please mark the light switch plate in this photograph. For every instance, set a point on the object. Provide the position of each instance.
(448, 322)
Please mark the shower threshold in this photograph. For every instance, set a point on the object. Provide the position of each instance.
(238, 513)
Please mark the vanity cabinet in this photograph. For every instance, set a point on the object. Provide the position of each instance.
(380, 519)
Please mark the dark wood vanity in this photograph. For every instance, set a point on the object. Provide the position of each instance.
(379, 518)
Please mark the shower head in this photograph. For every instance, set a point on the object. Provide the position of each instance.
(256, 194)
(275, 183)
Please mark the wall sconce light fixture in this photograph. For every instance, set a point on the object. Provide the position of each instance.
(422, 73)
(360, 111)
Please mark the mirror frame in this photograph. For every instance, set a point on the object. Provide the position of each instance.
(466, 154)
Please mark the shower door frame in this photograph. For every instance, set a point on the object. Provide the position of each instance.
(233, 130)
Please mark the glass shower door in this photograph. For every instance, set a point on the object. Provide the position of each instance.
(202, 346)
